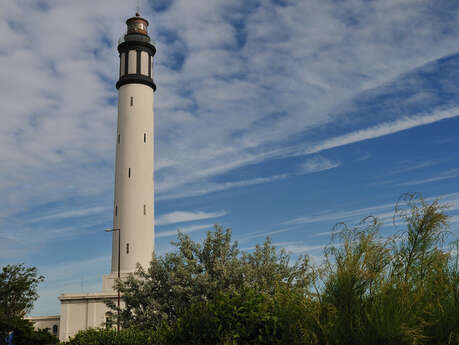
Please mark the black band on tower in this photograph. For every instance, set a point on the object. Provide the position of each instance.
(136, 79)
(136, 45)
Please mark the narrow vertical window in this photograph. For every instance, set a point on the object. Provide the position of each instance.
(116, 210)
(132, 101)
(144, 209)
(144, 137)
(122, 64)
(119, 138)
(149, 65)
(127, 248)
(129, 172)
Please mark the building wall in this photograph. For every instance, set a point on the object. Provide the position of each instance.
(42, 322)
(83, 311)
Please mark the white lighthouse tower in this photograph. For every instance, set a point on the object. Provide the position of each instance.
(133, 213)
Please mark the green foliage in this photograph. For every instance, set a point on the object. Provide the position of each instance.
(247, 317)
(130, 336)
(401, 290)
(25, 334)
(370, 289)
(18, 285)
(196, 273)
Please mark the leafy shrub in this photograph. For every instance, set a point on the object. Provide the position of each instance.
(130, 336)
(247, 317)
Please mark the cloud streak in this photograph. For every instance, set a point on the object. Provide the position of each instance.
(184, 230)
(381, 130)
(186, 216)
(316, 164)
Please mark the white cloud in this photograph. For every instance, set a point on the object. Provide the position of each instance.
(446, 175)
(185, 230)
(316, 164)
(381, 130)
(298, 247)
(337, 216)
(73, 214)
(186, 216)
(201, 189)
(263, 234)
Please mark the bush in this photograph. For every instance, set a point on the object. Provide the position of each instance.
(130, 336)
(248, 317)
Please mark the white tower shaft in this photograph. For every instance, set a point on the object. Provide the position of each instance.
(133, 214)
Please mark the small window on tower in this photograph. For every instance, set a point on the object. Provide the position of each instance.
(144, 209)
(129, 172)
(132, 101)
(116, 211)
(119, 138)
(127, 248)
(144, 137)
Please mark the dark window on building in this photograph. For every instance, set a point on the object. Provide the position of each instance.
(144, 209)
(129, 172)
(132, 101)
(116, 211)
(144, 137)
(55, 329)
(127, 248)
(108, 320)
(119, 138)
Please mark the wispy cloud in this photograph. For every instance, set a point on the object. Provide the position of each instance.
(298, 247)
(201, 189)
(184, 230)
(446, 175)
(337, 216)
(381, 130)
(263, 234)
(72, 214)
(186, 216)
(316, 164)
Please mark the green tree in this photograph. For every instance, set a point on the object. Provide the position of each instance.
(196, 273)
(18, 292)
(397, 290)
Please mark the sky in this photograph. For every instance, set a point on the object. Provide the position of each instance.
(273, 118)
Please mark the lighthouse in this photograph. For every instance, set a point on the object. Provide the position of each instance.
(133, 209)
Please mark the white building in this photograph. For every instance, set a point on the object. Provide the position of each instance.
(133, 209)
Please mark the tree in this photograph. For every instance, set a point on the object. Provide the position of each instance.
(397, 290)
(196, 273)
(18, 292)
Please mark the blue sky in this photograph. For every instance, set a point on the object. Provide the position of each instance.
(276, 118)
